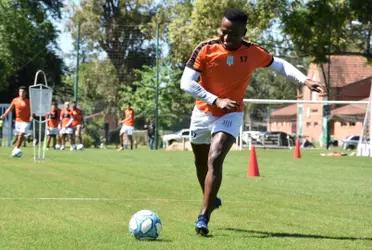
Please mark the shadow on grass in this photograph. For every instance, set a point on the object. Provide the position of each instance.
(264, 234)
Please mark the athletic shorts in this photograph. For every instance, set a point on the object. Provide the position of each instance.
(203, 125)
(52, 131)
(125, 129)
(22, 128)
(66, 131)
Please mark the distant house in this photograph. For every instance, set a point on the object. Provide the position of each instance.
(351, 79)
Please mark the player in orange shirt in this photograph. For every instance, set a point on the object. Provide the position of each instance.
(126, 131)
(217, 74)
(21, 104)
(77, 124)
(53, 122)
(66, 127)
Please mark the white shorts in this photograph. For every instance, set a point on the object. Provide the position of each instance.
(52, 131)
(203, 125)
(66, 131)
(125, 129)
(22, 128)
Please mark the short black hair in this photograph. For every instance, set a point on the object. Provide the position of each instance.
(236, 15)
(22, 87)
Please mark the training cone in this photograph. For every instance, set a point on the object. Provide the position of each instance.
(297, 150)
(253, 166)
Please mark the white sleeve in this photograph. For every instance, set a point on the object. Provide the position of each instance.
(288, 70)
(190, 85)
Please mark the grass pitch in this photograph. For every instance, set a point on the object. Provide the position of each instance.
(84, 200)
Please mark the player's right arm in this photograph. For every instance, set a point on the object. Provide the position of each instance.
(9, 109)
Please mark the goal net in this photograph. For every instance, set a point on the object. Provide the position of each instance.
(272, 123)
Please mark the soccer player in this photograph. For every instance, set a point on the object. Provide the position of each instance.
(77, 124)
(53, 122)
(217, 74)
(126, 131)
(21, 104)
(66, 127)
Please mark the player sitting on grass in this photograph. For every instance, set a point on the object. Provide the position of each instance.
(21, 104)
(217, 74)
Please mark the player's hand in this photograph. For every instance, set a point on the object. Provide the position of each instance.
(226, 104)
(316, 86)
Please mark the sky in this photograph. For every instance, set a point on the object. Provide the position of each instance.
(64, 40)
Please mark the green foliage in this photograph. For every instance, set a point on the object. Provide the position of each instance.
(191, 22)
(319, 27)
(27, 43)
(115, 27)
(99, 86)
(174, 105)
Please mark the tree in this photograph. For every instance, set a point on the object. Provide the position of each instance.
(174, 104)
(27, 44)
(191, 22)
(115, 27)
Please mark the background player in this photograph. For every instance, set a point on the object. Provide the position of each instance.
(53, 122)
(21, 104)
(66, 127)
(77, 124)
(127, 129)
(218, 73)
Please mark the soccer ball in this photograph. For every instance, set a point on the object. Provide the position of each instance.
(145, 225)
(16, 152)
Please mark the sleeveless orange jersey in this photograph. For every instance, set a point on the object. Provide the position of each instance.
(129, 117)
(65, 117)
(22, 109)
(77, 115)
(225, 73)
(53, 118)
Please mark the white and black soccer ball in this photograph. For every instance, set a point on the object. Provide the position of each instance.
(145, 225)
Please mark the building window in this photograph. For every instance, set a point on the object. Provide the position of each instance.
(343, 124)
(314, 110)
(352, 124)
(308, 124)
(315, 124)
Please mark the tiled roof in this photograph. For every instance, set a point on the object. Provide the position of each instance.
(346, 69)
(290, 110)
(351, 109)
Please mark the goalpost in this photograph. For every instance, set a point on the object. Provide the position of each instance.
(365, 140)
(306, 119)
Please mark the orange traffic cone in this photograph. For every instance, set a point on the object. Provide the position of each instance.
(297, 150)
(253, 166)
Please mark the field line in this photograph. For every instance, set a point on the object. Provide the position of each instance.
(101, 199)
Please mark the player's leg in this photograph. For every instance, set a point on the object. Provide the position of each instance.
(121, 138)
(201, 152)
(72, 139)
(48, 141)
(20, 139)
(220, 146)
(63, 139)
(224, 131)
(130, 138)
(78, 134)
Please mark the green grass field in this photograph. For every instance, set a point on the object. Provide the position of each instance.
(312, 203)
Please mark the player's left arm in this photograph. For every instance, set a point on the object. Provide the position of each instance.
(291, 72)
